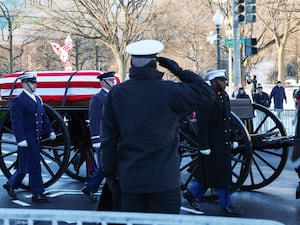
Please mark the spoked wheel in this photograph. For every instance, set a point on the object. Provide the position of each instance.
(54, 154)
(240, 157)
(270, 148)
(83, 159)
(83, 163)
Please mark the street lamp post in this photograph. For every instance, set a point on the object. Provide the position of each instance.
(218, 19)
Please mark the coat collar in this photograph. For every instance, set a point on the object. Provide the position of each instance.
(144, 73)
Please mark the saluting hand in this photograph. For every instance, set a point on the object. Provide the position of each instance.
(170, 64)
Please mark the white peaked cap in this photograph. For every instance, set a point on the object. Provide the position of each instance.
(259, 85)
(28, 76)
(144, 48)
(215, 74)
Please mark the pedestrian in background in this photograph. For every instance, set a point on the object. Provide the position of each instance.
(107, 81)
(215, 133)
(261, 97)
(242, 94)
(139, 142)
(278, 95)
(29, 121)
(253, 82)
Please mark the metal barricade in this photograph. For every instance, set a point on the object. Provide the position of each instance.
(287, 118)
(80, 217)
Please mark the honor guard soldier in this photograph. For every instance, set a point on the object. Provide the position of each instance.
(216, 138)
(107, 81)
(29, 121)
(139, 141)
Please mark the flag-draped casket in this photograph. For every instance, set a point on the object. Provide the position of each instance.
(57, 86)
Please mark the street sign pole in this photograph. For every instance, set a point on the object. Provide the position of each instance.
(236, 56)
(236, 45)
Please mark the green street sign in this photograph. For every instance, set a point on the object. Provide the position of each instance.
(229, 42)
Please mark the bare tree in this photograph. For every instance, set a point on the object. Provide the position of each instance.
(280, 20)
(12, 50)
(8, 42)
(113, 22)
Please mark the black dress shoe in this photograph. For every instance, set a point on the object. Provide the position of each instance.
(230, 211)
(40, 198)
(10, 191)
(87, 192)
(192, 200)
(298, 191)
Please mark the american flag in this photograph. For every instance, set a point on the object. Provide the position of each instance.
(52, 85)
(63, 51)
(68, 44)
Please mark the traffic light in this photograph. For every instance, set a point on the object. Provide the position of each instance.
(250, 11)
(249, 46)
(238, 11)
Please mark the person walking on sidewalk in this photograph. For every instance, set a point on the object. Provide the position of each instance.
(29, 120)
(278, 95)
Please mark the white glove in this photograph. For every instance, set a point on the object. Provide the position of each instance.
(235, 144)
(96, 145)
(205, 151)
(52, 136)
(23, 144)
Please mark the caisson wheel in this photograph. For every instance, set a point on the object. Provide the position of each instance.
(54, 154)
(270, 148)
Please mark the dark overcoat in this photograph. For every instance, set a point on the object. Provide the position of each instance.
(262, 98)
(29, 120)
(214, 130)
(278, 93)
(140, 128)
(95, 115)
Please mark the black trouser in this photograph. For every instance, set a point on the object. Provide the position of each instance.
(159, 202)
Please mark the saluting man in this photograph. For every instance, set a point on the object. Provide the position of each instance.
(139, 140)
(29, 120)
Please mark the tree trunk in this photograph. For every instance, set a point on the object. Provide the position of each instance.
(281, 66)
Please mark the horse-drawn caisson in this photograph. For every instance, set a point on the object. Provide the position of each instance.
(66, 96)
(257, 161)
(262, 150)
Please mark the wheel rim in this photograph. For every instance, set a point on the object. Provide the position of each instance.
(268, 161)
(240, 157)
(83, 159)
(54, 154)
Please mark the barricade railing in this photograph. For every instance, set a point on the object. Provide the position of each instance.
(287, 118)
(80, 217)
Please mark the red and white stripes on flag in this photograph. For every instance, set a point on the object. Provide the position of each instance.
(68, 44)
(63, 51)
(52, 85)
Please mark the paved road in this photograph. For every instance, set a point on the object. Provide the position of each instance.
(274, 202)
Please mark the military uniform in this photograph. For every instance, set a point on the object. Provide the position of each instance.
(95, 118)
(29, 121)
(215, 133)
(140, 130)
